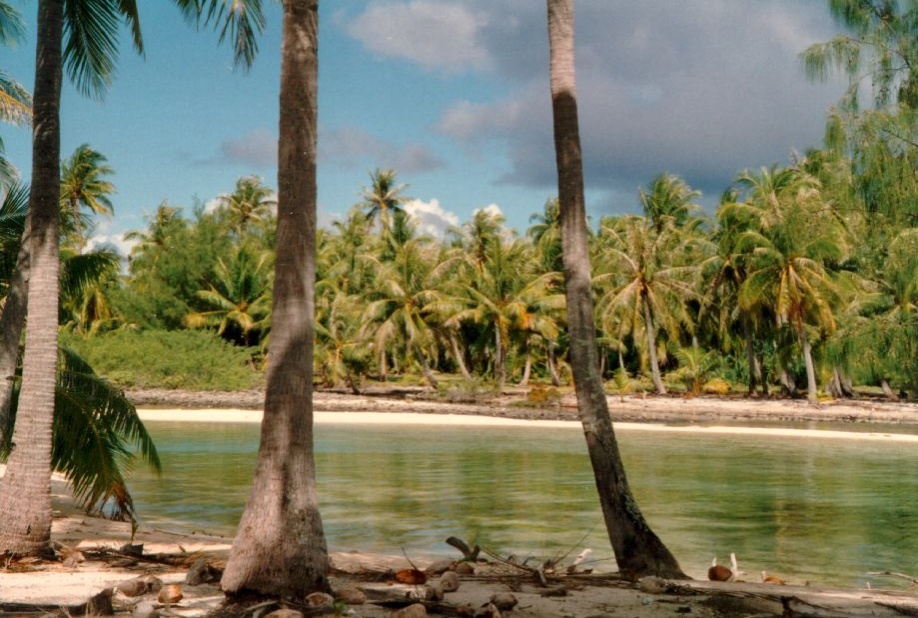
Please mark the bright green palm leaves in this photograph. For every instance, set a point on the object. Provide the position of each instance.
(238, 297)
(15, 101)
(795, 234)
(84, 185)
(383, 199)
(250, 204)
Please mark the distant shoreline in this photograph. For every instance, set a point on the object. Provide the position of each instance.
(514, 406)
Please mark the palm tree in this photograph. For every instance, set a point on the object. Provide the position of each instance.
(796, 234)
(238, 299)
(88, 56)
(15, 101)
(162, 226)
(251, 202)
(85, 307)
(545, 232)
(399, 309)
(637, 549)
(280, 545)
(649, 282)
(668, 200)
(383, 199)
(84, 185)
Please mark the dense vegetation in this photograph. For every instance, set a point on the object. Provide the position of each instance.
(794, 283)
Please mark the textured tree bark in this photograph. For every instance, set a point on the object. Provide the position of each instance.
(811, 395)
(652, 351)
(637, 549)
(12, 321)
(280, 547)
(25, 490)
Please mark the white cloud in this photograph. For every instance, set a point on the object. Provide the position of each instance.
(257, 148)
(350, 147)
(122, 246)
(430, 217)
(435, 35)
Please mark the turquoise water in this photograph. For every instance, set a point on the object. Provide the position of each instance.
(821, 510)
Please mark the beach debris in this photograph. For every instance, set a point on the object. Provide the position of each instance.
(449, 581)
(465, 568)
(132, 587)
(434, 591)
(132, 549)
(352, 595)
(488, 610)
(412, 577)
(467, 553)
(416, 610)
(101, 604)
(320, 599)
(284, 613)
(154, 584)
(440, 566)
(771, 579)
(202, 572)
(170, 593)
(504, 601)
(720, 573)
(145, 609)
(580, 559)
(655, 585)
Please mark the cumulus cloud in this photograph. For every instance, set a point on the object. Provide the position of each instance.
(430, 217)
(115, 241)
(257, 148)
(699, 90)
(433, 34)
(351, 147)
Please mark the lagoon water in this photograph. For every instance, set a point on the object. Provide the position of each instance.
(806, 509)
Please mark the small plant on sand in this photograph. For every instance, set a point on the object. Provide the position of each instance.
(541, 395)
(621, 383)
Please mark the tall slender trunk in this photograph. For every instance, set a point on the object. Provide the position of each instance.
(552, 366)
(763, 375)
(811, 394)
(25, 490)
(12, 321)
(750, 356)
(888, 391)
(382, 363)
(652, 351)
(425, 366)
(527, 368)
(638, 550)
(500, 360)
(280, 545)
(457, 354)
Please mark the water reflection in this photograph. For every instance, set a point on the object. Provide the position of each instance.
(806, 509)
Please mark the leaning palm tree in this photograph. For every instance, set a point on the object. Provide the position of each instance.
(637, 549)
(84, 185)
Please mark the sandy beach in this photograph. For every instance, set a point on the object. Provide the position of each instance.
(68, 584)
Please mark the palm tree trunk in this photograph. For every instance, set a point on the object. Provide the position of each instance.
(280, 547)
(760, 371)
(425, 366)
(12, 321)
(457, 354)
(887, 391)
(652, 351)
(638, 550)
(552, 366)
(25, 490)
(811, 394)
(527, 368)
(382, 363)
(500, 360)
(750, 356)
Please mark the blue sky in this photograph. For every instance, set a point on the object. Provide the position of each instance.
(453, 94)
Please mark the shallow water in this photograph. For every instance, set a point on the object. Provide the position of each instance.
(823, 510)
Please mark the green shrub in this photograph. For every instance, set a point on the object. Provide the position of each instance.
(191, 360)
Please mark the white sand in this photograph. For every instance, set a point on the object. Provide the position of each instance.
(411, 418)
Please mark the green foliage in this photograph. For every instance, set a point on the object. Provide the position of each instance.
(193, 360)
(97, 438)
